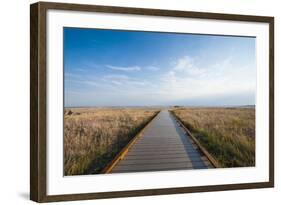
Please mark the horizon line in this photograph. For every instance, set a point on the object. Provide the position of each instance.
(249, 105)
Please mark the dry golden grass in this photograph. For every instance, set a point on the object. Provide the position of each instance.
(93, 136)
(227, 133)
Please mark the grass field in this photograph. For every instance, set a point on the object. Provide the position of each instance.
(93, 136)
(227, 133)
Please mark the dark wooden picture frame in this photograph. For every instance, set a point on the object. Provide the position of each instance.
(38, 100)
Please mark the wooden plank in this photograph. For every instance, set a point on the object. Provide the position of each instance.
(164, 154)
(152, 149)
(164, 144)
(136, 157)
(154, 166)
(157, 143)
(158, 152)
(152, 170)
(157, 161)
(175, 144)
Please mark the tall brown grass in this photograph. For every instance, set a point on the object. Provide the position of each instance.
(92, 137)
(227, 133)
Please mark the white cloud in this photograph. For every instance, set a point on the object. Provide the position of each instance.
(84, 82)
(71, 75)
(125, 80)
(187, 65)
(187, 80)
(184, 64)
(121, 68)
(116, 80)
(80, 70)
(116, 77)
(152, 68)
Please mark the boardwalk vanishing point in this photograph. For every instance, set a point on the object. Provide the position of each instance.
(163, 145)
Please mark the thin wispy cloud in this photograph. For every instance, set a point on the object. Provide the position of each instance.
(95, 83)
(124, 68)
(124, 80)
(184, 63)
(81, 70)
(187, 65)
(152, 68)
(115, 77)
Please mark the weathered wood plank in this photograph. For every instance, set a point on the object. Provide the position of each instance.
(128, 157)
(192, 155)
(154, 166)
(151, 149)
(153, 170)
(156, 161)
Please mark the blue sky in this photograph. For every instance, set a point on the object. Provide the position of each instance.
(131, 68)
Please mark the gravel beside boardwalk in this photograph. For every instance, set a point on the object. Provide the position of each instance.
(163, 146)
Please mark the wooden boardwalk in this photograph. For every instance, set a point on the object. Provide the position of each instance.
(164, 145)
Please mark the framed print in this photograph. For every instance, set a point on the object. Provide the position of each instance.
(134, 102)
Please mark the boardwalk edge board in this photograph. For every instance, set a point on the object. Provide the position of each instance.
(212, 159)
(126, 149)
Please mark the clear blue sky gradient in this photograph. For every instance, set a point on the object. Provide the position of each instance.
(133, 68)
